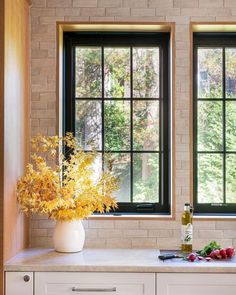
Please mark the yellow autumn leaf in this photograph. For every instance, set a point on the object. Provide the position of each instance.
(64, 189)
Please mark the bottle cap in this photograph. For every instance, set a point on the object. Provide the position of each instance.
(187, 207)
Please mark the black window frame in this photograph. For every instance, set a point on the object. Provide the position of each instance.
(70, 40)
(209, 40)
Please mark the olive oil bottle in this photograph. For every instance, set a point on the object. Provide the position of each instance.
(187, 230)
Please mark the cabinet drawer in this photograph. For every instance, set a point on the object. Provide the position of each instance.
(20, 283)
(196, 284)
(72, 283)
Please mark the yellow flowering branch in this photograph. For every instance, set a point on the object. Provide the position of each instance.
(69, 190)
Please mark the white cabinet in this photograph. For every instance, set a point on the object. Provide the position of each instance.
(99, 283)
(69, 283)
(19, 283)
(196, 284)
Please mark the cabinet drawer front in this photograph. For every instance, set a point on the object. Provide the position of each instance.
(69, 283)
(196, 284)
(20, 283)
(101, 289)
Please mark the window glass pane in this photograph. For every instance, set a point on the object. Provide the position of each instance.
(117, 125)
(230, 68)
(119, 164)
(88, 124)
(146, 177)
(88, 72)
(117, 72)
(210, 126)
(146, 72)
(210, 178)
(97, 166)
(145, 125)
(230, 178)
(230, 125)
(210, 73)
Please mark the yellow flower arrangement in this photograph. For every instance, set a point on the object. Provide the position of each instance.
(68, 191)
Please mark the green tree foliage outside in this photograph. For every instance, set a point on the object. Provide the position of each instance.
(88, 72)
(210, 125)
(117, 121)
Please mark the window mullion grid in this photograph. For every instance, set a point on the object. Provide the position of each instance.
(118, 98)
(131, 124)
(224, 130)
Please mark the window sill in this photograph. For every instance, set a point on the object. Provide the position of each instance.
(131, 217)
(159, 217)
(214, 218)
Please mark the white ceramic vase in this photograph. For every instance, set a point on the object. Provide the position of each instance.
(69, 236)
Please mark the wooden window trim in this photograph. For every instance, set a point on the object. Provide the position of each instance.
(203, 27)
(128, 26)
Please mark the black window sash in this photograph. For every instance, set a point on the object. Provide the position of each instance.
(211, 40)
(106, 39)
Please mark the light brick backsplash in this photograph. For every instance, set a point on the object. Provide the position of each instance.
(143, 12)
(229, 3)
(92, 11)
(211, 3)
(161, 3)
(84, 3)
(167, 11)
(186, 3)
(124, 233)
(118, 12)
(109, 3)
(39, 3)
(135, 3)
(59, 3)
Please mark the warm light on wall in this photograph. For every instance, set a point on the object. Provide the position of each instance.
(217, 27)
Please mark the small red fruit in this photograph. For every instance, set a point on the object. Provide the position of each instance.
(200, 258)
(208, 259)
(223, 253)
(217, 254)
(191, 257)
(212, 254)
(230, 251)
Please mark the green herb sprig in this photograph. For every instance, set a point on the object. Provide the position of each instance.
(213, 245)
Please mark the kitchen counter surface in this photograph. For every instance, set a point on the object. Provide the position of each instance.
(111, 260)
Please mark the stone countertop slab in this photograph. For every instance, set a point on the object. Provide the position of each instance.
(111, 260)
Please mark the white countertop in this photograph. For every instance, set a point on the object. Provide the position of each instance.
(111, 260)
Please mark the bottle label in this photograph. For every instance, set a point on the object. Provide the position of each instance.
(187, 234)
